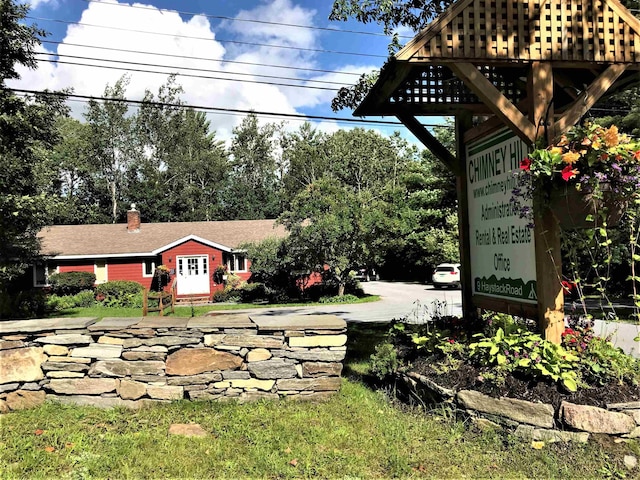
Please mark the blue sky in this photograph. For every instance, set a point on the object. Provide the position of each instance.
(161, 35)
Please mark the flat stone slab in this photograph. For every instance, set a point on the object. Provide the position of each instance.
(98, 350)
(114, 323)
(163, 322)
(298, 322)
(225, 320)
(46, 324)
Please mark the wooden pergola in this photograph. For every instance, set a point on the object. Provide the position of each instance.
(536, 66)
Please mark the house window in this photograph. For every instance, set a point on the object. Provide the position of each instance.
(237, 263)
(100, 269)
(41, 274)
(148, 267)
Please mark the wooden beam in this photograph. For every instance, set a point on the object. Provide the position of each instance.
(540, 94)
(500, 105)
(392, 75)
(469, 308)
(588, 98)
(431, 142)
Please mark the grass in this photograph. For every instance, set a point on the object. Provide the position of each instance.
(187, 310)
(356, 434)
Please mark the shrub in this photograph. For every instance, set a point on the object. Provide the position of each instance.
(252, 292)
(120, 293)
(71, 283)
(384, 361)
(57, 303)
(348, 298)
(220, 296)
(23, 304)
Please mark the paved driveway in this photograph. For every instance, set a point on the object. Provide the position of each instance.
(397, 299)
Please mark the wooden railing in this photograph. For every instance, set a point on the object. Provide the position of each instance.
(165, 300)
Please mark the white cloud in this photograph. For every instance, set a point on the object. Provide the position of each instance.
(36, 3)
(192, 43)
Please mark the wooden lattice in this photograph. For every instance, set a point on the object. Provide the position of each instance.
(570, 30)
(436, 84)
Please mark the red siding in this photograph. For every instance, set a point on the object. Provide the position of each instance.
(191, 247)
(81, 266)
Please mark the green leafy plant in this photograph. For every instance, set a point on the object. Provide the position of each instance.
(120, 293)
(528, 354)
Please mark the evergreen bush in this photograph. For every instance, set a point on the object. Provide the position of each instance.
(71, 283)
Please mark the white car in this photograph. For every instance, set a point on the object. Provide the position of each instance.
(446, 275)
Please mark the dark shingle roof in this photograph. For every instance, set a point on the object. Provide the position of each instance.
(114, 239)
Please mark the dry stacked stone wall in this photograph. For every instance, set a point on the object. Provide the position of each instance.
(133, 361)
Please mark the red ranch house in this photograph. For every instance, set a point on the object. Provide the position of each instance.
(191, 250)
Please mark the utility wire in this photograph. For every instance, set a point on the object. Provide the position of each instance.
(88, 98)
(254, 44)
(234, 19)
(124, 50)
(208, 77)
(326, 82)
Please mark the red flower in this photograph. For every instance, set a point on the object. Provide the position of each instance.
(525, 164)
(567, 286)
(568, 173)
(636, 155)
(451, 340)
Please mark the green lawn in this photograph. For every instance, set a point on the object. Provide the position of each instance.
(357, 434)
(186, 311)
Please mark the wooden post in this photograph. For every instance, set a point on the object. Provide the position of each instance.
(546, 231)
(469, 310)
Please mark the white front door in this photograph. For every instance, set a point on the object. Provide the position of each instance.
(193, 275)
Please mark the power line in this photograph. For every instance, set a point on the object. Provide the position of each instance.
(124, 50)
(88, 98)
(327, 82)
(208, 77)
(247, 20)
(254, 44)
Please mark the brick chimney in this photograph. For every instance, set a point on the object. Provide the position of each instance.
(133, 220)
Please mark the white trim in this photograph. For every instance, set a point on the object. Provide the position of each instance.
(153, 267)
(233, 260)
(47, 272)
(191, 237)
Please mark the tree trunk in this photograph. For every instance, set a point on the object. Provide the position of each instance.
(341, 289)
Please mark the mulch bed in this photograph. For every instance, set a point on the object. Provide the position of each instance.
(468, 377)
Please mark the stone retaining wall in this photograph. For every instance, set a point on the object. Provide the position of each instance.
(532, 420)
(133, 361)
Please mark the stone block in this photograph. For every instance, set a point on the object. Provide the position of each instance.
(165, 392)
(253, 341)
(213, 339)
(66, 339)
(131, 390)
(318, 341)
(170, 340)
(222, 384)
(204, 395)
(21, 365)
(315, 369)
(253, 383)
(273, 369)
(65, 367)
(221, 320)
(99, 402)
(151, 348)
(521, 411)
(187, 430)
(130, 355)
(163, 322)
(83, 386)
(9, 387)
(624, 406)
(97, 350)
(191, 361)
(58, 359)
(114, 323)
(11, 344)
(254, 396)
(199, 379)
(528, 432)
(310, 384)
(56, 350)
(236, 374)
(298, 322)
(23, 399)
(595, 419)
(311, 355)
(122, 368)
(45, 325)
(258, 355)
(64, 374)
(106, 340)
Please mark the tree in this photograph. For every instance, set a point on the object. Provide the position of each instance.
(332, 228)
(26, 131)
(253, 191)
(112, 135)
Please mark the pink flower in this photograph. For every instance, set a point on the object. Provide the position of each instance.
(525, 164)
